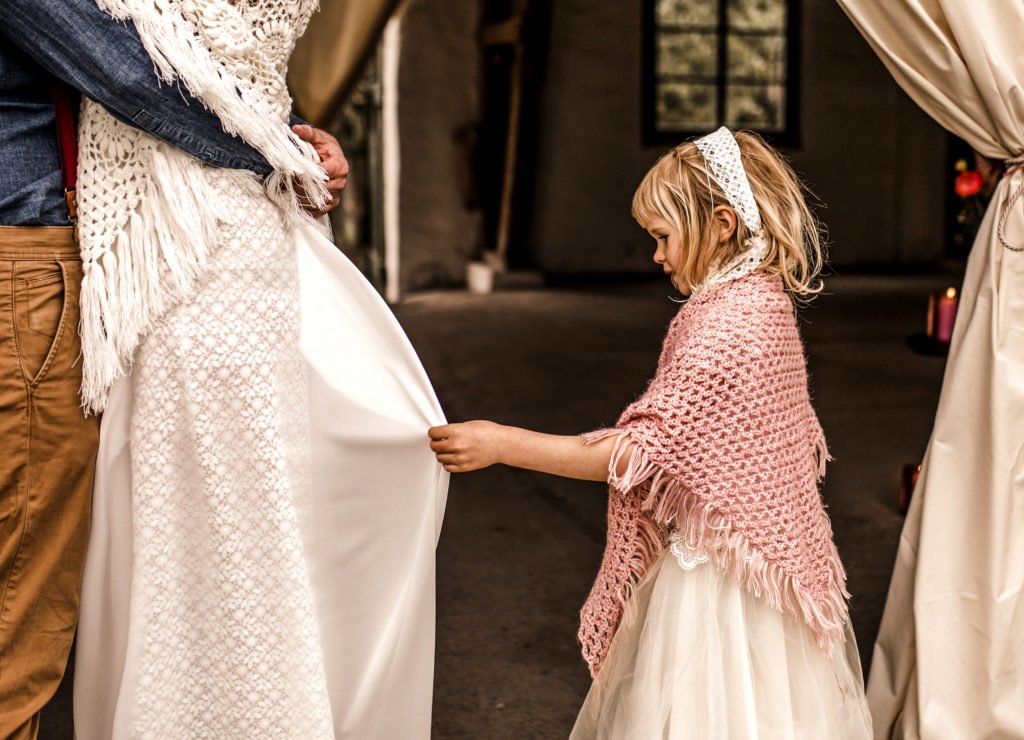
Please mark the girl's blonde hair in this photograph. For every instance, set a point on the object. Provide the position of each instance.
(681, 189)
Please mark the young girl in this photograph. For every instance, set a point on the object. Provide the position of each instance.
(720, 607)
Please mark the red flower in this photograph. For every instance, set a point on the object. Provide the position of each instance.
(968, 183)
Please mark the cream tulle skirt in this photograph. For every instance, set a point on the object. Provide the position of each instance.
(699, 658)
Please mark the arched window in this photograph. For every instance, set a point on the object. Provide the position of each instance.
(709, 63)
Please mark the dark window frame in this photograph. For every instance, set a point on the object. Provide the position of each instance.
(652, 136)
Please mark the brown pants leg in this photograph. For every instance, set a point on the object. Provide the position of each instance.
(47, 458)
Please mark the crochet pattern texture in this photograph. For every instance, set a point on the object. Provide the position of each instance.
(149, 216)
(724, 452)
(191, 280)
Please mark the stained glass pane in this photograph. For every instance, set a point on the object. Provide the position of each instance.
(684, 106)
(761, 58)
(761, 15)
(689, 54)
(761, 107)
(685, 13)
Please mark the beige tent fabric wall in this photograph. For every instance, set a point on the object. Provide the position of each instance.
(332, 52)
(949, 659)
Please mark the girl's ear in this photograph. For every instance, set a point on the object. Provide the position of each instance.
(725, 217)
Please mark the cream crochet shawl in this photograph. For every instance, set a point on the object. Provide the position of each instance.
(148, 214)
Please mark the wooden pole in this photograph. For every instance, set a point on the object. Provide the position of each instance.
(509, 32)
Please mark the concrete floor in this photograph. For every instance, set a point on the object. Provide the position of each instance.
(520, 550)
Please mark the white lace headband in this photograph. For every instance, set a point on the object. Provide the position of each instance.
(722, 154)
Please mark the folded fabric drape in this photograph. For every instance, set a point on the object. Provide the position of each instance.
(949, 659)
(328, 58)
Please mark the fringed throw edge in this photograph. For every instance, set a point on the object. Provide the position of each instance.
(178, 54)
(152, 265)
(670, 505)
(134, 276)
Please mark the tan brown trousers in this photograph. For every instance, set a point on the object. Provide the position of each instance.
(47, 459)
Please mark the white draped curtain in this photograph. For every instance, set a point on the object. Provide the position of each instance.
(332, 52)
(949, 659)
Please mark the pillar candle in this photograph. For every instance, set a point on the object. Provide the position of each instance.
(933, 299)
(945, 315)
(907, 482)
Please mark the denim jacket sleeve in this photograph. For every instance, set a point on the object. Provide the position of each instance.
(105, 60)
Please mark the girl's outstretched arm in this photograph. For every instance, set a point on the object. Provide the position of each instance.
(479, 444)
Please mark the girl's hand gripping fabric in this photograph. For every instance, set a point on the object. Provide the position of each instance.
(471, 445)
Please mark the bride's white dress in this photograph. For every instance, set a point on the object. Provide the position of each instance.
(266, 509)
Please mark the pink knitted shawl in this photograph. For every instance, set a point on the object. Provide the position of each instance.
(725, 447)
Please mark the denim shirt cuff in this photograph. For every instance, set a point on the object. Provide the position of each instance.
(212, 155)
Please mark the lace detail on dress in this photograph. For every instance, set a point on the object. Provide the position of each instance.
(147, 210)
(223, 616)
(688, 556)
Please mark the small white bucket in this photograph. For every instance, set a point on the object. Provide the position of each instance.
(479, 278)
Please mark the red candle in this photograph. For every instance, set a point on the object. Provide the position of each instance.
(907, 482)
(945, 315)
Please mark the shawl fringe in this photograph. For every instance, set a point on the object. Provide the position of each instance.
(179, 55)
(150, 256)
(153, 265)
(821, 452)
(669, 504)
